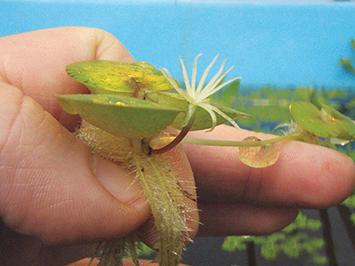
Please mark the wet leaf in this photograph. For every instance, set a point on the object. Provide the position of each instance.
(259, 156)
(123, 116)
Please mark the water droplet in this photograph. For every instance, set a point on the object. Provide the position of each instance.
(259, 156)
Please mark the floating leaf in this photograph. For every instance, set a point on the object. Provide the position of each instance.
(259, 156)
(319, 123)
(110, 77)
(345, 124)
(141, 80)
(123, 116)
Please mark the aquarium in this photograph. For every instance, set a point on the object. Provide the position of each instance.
(284, 52)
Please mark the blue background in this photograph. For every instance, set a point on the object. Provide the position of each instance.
(279, 44)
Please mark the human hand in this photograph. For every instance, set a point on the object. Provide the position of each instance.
(53, 191)
(239, 200)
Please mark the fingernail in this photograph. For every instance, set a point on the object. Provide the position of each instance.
(119, 182)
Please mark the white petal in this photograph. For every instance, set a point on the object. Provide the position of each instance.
(210, 85)
(191, 110)
(193, 79)
(230, 120)
(220, 87)
(170, 78)
(220, 79)
(207, 107)
(204, 76)
(186, 78)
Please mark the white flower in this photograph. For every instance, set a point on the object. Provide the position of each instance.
(199, 96)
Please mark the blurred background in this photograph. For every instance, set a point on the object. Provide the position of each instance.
(284, 50)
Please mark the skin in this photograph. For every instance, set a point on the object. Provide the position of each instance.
(56, 198)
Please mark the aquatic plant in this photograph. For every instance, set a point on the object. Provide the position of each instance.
(125, 117)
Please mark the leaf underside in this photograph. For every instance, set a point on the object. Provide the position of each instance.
(123, 116)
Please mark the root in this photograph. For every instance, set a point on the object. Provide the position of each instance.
(161, 187)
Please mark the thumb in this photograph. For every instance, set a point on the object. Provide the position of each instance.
(51, 187)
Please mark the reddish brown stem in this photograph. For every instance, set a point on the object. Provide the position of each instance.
(177, 140)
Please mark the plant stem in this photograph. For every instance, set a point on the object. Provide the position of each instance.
(158, 176)
(178, 138)
(167, 204)
(232, 143)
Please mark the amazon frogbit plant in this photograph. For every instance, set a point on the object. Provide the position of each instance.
(126, 115)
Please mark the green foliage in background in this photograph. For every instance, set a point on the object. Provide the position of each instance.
(350, 203)
(144, 251)
(269, 107)
(348, 63)
(291, 241)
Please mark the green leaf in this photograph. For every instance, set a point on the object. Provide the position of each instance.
(110, 77)
(345, 124)
(123, 116)
(319, 123)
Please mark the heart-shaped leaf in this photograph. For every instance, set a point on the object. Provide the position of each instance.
(123, 116)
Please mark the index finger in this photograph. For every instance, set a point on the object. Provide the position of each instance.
(36, 61)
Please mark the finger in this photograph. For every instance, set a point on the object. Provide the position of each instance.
(224, 219)
(36, 61)
(305, 175)
(52, 188)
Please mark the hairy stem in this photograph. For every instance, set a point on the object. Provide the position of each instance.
(167, 205)
(158, 177)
